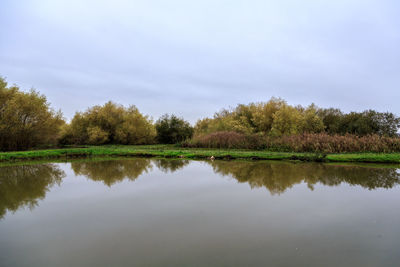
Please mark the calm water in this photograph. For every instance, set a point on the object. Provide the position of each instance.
(142, 212)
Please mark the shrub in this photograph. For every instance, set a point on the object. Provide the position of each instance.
(226, 140)
(109, 124)
(326, 143)
(315, 143)
(172, 130)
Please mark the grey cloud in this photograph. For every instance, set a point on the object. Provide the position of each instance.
(194, 58)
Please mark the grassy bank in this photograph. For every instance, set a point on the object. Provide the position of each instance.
(171, 151)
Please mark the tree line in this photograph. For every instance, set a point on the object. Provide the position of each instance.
(28, 121)
(277, 118)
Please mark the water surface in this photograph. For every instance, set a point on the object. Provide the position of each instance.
(148, 212)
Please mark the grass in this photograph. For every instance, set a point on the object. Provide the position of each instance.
(172, 151)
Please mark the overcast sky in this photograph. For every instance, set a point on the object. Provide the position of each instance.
(192, 58)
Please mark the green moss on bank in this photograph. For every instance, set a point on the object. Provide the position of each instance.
(171, 151)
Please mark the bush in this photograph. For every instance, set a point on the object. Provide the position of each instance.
(26, 119)
(326, 143)
(315, 143)
(109, 124)
(172, 130)
(226, 140)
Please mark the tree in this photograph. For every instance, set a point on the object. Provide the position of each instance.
(331, 118)
(287, 121)
(264, 114)
(109, 124)
(171, 129)
(26, 119)
(388, 124)
(312, 123)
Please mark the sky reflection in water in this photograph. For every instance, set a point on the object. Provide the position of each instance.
(150, 212)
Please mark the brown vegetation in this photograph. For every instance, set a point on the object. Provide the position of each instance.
(320, 143)
(227, 140)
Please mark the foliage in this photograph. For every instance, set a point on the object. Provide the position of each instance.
(109, 124)
(172, 130)
(247, 119)
(306, 142)
(277, 118)
(286, 121)
(311, 121)
(274, 117)
(227, 140)
(331, 119)
(26, 119)
(360, 123)
(264, 114)
(325, 143)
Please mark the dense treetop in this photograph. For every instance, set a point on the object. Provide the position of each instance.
(26, 119)
(277, 118)
(172, 130)
(109, 124)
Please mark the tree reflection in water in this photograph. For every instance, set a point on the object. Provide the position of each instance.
(111, 172)
(170, 165)
(279, 176)
(23, 186)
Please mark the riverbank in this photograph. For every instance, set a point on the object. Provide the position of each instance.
(172, 151)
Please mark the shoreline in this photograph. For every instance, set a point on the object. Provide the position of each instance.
(172, 151)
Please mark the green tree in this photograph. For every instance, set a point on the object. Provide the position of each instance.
(388, 124)
(360, 123)
(172, 130)
(26, 119)
(331, 118)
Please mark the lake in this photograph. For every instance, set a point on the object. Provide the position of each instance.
(152, 212)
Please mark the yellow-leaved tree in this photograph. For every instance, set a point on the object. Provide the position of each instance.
(26, 119)
(109, 124)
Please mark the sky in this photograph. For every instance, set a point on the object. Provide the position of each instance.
(193, 58)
